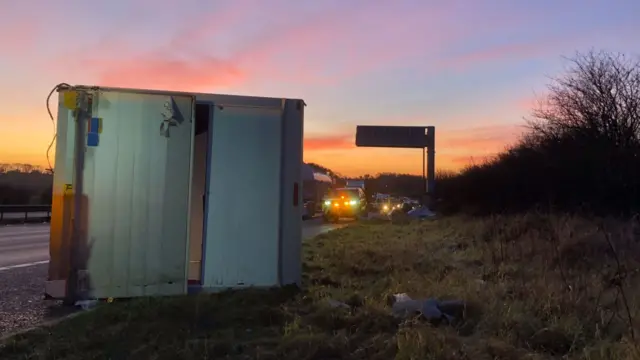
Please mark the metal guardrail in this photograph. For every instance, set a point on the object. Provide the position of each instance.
(24, 213)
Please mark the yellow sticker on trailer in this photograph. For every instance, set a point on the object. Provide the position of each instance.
(70, 99)
(68, 189)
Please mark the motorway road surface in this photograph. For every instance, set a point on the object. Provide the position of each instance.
(22, 245)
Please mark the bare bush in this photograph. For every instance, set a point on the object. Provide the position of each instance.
(598, 100)
(581, 153)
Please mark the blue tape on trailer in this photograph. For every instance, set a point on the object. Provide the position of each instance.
(95, 125)
(93, 139)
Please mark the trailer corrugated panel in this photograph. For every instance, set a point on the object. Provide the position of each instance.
(253, 224)
(136, 190)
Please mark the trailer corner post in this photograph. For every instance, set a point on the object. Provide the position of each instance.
(73, 293)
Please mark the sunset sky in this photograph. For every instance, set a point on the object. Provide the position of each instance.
(471, 68)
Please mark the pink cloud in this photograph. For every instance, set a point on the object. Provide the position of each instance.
(18, 36)
(156, 72)
(208, 25)
(526, 103)
(178, 65)
(501, 52)
(480, 139)
(320, 49)
(324, 47)
(530, 103)
(335, 46)
(303, 51)
(554, 46)
(198, 66)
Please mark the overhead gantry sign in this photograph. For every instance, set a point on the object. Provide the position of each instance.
(407, 137)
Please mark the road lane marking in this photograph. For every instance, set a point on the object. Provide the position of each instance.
(6, 234)
(4, 268)
(23, 237)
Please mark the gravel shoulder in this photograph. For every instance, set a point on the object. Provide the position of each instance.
(21, 299)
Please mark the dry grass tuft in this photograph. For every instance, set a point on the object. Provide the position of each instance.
(536, 287)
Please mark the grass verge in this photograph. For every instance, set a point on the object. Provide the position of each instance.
(537, 287)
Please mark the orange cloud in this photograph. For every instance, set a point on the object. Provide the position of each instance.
(459, 162)
(14, 148)
(318, 143)
(455, 149)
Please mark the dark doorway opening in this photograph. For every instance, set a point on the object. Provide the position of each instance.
(198, 192)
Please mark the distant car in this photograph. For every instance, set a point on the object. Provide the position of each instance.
(385, 207)
(344, 203)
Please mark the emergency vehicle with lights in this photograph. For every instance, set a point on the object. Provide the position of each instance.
(344, 203)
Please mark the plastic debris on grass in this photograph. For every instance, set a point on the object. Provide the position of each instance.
(430, 309)
(422, 212)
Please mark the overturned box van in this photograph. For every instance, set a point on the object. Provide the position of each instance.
(160, 192)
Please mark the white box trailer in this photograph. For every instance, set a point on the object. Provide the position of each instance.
(314, 187)
(355, 184)
(177, 191)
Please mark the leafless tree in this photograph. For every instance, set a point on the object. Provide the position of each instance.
(581, 153)
(597, 99)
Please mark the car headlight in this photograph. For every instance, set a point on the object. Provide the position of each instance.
(353, 202)
(327, 202)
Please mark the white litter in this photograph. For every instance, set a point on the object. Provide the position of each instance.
(338, 304)
(422, 212)
(431, 309)
(86, 304)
